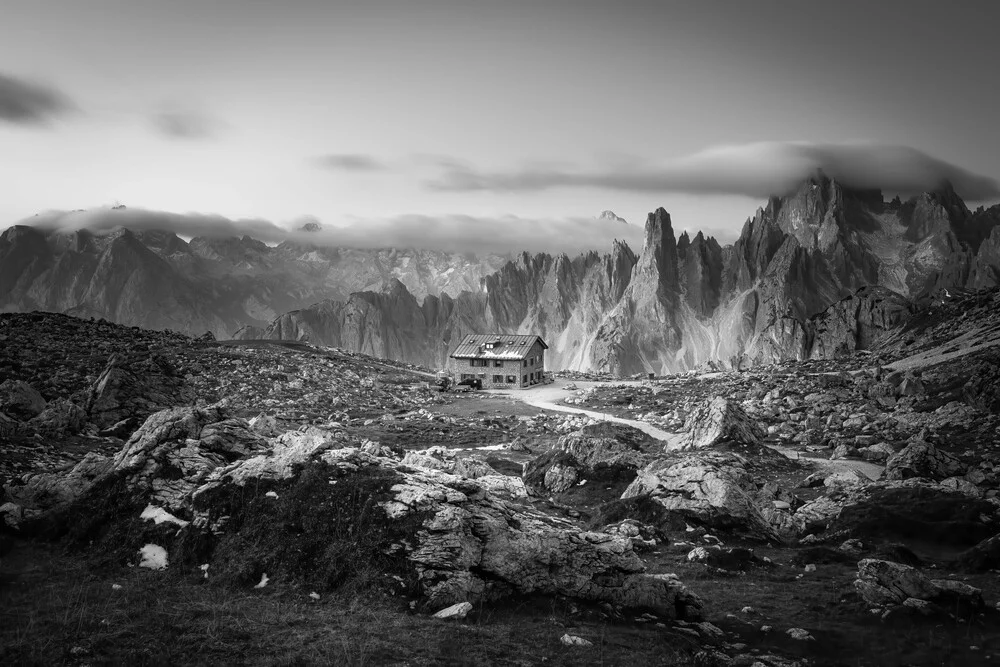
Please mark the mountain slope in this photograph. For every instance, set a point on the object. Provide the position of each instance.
(157, 280)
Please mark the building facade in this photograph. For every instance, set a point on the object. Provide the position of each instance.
(499, 361)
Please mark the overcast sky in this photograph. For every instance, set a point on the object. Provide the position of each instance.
(394, 113)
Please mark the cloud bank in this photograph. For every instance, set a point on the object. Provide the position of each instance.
(25, 102)
(756, 170)
(456, 233)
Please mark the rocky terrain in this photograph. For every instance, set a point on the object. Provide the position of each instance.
(820, 512)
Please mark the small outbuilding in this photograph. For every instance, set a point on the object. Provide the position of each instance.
(500, 361)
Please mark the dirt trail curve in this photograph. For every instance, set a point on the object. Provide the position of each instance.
(546, 398)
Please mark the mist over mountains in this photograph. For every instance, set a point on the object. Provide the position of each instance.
(817, 273)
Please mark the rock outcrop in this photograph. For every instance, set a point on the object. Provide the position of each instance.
(599, 455)
(219, 484)
(131, 390)
(884, 583)
(20, 400)
(713, 489)
(719, 421)
(922, 459)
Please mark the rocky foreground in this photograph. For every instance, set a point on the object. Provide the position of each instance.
(802, 514)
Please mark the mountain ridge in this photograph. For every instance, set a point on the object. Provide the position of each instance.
(820, 271)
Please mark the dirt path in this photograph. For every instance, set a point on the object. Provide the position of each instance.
(546, 397)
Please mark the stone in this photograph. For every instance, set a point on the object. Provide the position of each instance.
(721, 420)
(882, 582)
(911, 386)
(590, 453)
(473, 468)
(60, 417)
(844, 479)
(799, 634)
(457, 611)
(264, 425)
(20, 400)
(983, 556)
(723, 559)
(960, 592)
(922, 459)
(877, 453)
(713, 488)
(843, 451)
(573, 640)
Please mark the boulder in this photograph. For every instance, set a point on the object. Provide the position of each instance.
(473, 468)
(432, 458)
(877, 453)
(843, 451)
(922, 459)
(588, 454)
(59, 417)
(134, 389)
(8, 427)
(718, 421)
(983, 556)
(845, 479)
(738, 558)
(458, 611)
(20, 400)
(712, 488)
(264, 425)
(165, 458)
(882, 582)
(48, 490)
(913, 511)
(911, 385)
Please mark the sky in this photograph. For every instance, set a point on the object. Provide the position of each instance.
(438, 118)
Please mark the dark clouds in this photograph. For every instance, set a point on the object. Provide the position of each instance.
(188, 125)
(25, 102)
(350, 162)
(458, 233)
(756, 170)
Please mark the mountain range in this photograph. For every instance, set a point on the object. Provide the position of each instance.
(819, 272)
(157, 280)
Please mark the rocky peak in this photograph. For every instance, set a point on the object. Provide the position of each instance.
(683, 242)
(612, 216)
(934, 214)
(701, 273)
(657, 266)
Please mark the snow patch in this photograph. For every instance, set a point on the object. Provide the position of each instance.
(159, 515)
(153, 557)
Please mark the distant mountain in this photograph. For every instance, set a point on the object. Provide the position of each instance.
(820, 272)
(157, 280)
(611, 216)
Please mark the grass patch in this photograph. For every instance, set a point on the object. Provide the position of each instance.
(56, 610)
(322, 528)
